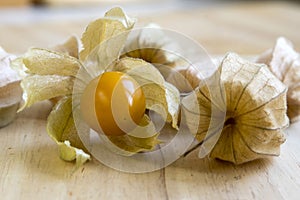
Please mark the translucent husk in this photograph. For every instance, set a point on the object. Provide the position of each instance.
(51, 74)
(284, 62)
(255, 107)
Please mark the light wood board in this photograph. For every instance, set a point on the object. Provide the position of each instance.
(31, 169)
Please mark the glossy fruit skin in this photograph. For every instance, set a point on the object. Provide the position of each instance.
(117, 101)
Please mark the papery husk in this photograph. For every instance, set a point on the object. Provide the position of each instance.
(69, 47)
(114, 23)
(253, 101)
(149, 44)
(142, 139)
(10, 90)
(185, 79)
(43, 87)
(61, 128)
(46, 62)
(161, 96)
(284, 62)
(50, 74)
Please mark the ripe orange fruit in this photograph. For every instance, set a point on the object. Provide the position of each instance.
(113, 103)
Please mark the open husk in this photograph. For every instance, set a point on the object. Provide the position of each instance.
(63, 74)
(253, 103)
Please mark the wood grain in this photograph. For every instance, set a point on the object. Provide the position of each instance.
(31, 169)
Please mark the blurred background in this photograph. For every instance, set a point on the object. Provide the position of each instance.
(245, 27)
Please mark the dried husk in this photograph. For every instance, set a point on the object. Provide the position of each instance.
(52, 74)
(149, 44)
(254, 104)
(10, 90)
(158, 93)
(114, 23)
(49, 75)
(185, 79)
(284, 62)
(160, 97)
(69, 47)
(61, 128)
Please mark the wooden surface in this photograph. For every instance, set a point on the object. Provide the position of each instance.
(14, 2)
(31, 169)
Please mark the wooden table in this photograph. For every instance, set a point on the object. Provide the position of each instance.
(31, 169)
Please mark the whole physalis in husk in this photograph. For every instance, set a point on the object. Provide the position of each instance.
(252, 102)
(113, 104)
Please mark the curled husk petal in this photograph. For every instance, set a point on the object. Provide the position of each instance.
(50, 74)
(114, 23)
(61, 128)
(141, 139)
(47, 74)
(38, 88)
(47, 62)
(254, 103)
(284, 62)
